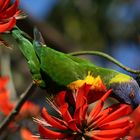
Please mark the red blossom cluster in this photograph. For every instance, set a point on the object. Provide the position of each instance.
(8, 14)
(79, 123)
(29, 109)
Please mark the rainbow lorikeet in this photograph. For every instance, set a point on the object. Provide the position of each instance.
(53, 68)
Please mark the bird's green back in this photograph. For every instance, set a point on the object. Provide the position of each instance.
(65, 69)
(59, 67)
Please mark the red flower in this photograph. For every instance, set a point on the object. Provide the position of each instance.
(8, 15)
(3, 82)
(29, 109)
(27, 135)
(5, 105)
(135, 116)
(78, 123)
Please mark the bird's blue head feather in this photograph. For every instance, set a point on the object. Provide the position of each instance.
(128, 92)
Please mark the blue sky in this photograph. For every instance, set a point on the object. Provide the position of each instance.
(38, 8)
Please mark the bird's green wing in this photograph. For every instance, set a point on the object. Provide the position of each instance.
(59, 67)
(80, 60)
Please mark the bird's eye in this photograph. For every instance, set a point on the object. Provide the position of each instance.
(132, 94)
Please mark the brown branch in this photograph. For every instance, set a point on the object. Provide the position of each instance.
(24, 96)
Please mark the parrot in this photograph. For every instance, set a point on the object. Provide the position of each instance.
(50, 67)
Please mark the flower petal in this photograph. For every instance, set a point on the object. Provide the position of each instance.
(81, 112)
(11, 11)
(119, 111)
(98, 107)
(129, 138)
(72, 125)
(47, 133)
(29, 109)
(118, 133)
(120, 123)
(27, 135)
(2, 2)
(101, 138)
(65, 113)
(5, 4)
(82, 92)
(52, 121)
(5, 105)
(93, 96)
(3, 82)
(94, 122)
(7, 26)
(60, 98)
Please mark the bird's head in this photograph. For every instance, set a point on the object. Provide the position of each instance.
(127, 91)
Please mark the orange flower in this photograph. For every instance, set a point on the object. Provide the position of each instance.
(78, 123)
(27, 135)
(8, 15)
(29, 109)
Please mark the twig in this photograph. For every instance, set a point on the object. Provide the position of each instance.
(108, 57)
(17, 108)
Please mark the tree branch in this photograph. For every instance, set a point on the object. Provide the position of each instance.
(24, 96)
(108, 57)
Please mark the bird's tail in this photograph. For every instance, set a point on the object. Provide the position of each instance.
(28, 50)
